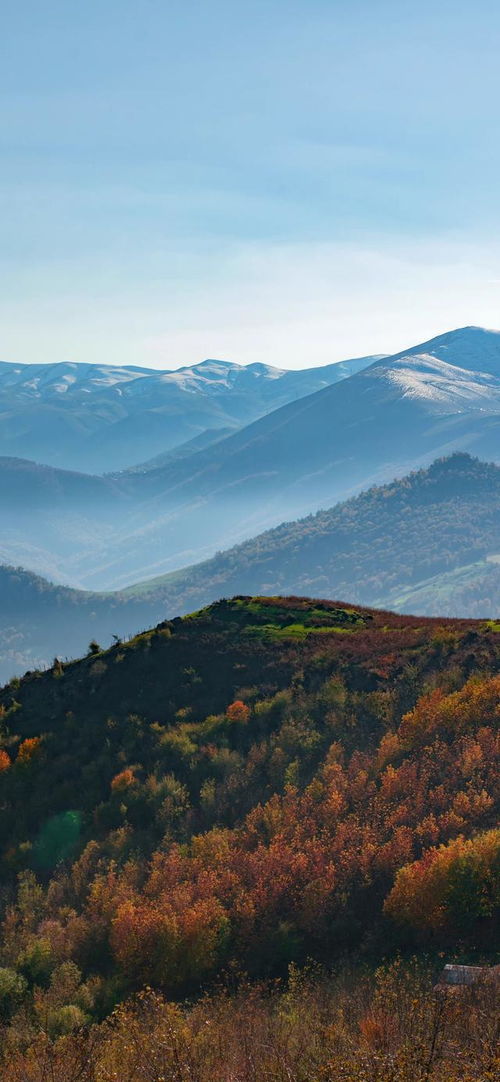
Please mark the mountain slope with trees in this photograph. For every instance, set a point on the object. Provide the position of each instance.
(426, 544)
(388, 540)
(268, 781)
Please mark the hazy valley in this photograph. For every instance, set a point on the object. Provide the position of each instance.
(391, 417)
(429, 543)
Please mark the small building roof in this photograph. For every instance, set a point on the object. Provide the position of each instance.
(453, 975)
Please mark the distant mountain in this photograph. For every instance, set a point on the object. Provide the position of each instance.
(49, 514)
(397, 410)
(427, 544)
(474, 348)
(28, 485)
(39, 619)
(396, 415)
(182, 451)
(99, 418)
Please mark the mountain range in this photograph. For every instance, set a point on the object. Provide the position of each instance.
(428, 544)
(97, 418)
(388, 418)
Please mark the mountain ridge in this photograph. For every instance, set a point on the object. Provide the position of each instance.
(391, 417)
(388, 547)
(97, 418)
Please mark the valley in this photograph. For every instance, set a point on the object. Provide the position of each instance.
(424, 544)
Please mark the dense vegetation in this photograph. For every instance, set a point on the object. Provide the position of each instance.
(423, 544)
(370, 549)
(265, 782)
(352, 1026)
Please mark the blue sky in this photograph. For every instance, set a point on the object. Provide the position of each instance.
(293, 183)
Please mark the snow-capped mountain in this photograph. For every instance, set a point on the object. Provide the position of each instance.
(106, 417)
(391, 417)
(472, 348)
(444, 388)
(75, 379)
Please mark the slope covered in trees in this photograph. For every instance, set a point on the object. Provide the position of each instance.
(426, 544)
(266, 781)
(388, 540)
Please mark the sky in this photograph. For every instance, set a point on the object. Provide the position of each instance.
(275, 181)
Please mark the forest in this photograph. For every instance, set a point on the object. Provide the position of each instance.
(385, 542)
(231, 843)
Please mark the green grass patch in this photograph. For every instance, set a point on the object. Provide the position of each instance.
(293, 631)
(304, 615)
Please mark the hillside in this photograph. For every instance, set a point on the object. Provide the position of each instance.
(380, 548)
(426, 544)
(39, 620)
(393, 416)
(266, 781)
(182, 450)
(97, 418)
(396, 415)
(473, 589)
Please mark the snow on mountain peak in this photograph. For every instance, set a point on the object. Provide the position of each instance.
(444, 386)
(474, 348)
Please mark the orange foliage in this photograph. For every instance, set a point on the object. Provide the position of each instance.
(4, 760)
(478, 701)
(123, 780)
(295, 857)
(238, 711)
(282, 875)
(169, 942)
(378, 1028)
(424, 896)
(28, 749)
